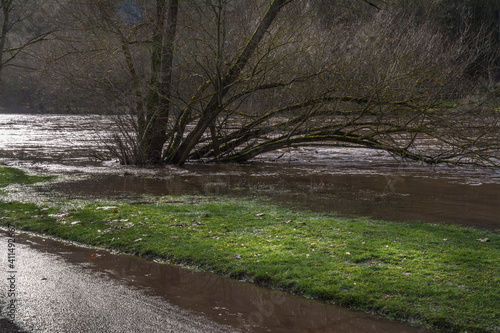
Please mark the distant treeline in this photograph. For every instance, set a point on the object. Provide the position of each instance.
(30, 80)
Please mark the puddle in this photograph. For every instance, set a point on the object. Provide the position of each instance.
(395, 197)
(244, 306)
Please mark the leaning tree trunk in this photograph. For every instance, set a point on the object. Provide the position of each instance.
(153, 131)
(211, 111)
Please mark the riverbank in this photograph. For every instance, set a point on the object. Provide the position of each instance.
(446, 277)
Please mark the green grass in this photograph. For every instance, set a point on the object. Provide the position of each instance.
(436, 275)
(15, 176)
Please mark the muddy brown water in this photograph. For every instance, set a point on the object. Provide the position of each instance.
(343, 180)
(395, 198)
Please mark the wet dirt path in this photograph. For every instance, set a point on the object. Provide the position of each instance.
(66, 288)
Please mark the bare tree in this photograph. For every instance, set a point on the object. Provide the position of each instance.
(23, 26)
(222, 80)
(17, 32)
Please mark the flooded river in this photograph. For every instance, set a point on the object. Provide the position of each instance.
(351, 182)
(343, 180)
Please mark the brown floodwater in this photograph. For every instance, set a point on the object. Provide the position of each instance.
(350, 182)
(243, 306)
(391, 197)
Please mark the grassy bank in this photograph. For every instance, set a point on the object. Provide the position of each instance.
(10, 176)
(447, 277)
